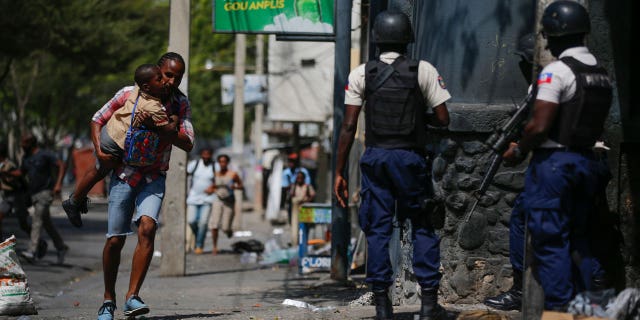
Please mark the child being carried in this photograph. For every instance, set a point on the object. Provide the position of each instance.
(145, 99)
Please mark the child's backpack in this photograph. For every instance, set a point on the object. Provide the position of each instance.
(140, 144)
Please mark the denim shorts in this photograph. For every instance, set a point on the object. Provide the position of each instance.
(145, 199)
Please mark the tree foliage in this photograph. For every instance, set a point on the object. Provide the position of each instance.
(211, 119)
(62, 60)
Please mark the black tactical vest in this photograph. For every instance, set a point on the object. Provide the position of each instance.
(395, 111)
(580, 121)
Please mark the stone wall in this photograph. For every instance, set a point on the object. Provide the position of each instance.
(475, 248)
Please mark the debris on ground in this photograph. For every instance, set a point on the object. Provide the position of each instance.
(252, 245)
(15, 298)
(364, 300)
(304, 305)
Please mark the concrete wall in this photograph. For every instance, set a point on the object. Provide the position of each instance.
(611, 40)
(472, 44)
(300, 75)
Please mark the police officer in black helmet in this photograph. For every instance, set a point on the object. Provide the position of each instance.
(572, 103)
(398, 92)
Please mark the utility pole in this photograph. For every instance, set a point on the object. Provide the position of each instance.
(257, 140)
(532, 293)
(237, 134)
(173, 261)
(340, 226)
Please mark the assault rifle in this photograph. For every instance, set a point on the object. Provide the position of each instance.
(499, 142)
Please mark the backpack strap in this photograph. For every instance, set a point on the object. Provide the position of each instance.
(195, 167)
(133, 112)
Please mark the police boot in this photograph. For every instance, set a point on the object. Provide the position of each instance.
(384, 310)
(430, 309)
(599, 283)
(510, 300)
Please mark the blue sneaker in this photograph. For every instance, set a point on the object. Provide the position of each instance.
(135, 307)
(106, 311)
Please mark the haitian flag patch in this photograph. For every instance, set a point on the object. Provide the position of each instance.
(545, 77)
(441, 82)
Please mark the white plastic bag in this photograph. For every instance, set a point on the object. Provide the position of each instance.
(15, 298)
(626, 305)
(304, 305)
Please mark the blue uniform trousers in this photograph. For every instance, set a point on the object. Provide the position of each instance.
(390, 175)
(516, 234)
(517, 240)
(560, 189)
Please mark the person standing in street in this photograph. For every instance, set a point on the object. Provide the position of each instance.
(289, 173)
(398, 92)
(201, 196)
(140, 190)
(301, 192)
(44, 172)
(512, 298)
(223, 208)
(288, 180)
(13, 192)
(565, 173)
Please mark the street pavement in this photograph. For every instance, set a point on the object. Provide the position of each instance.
(215, 287)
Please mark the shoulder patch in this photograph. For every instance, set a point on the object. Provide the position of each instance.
(545, 77)
(441, 82)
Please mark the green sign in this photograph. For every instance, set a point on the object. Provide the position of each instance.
(315, 17)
